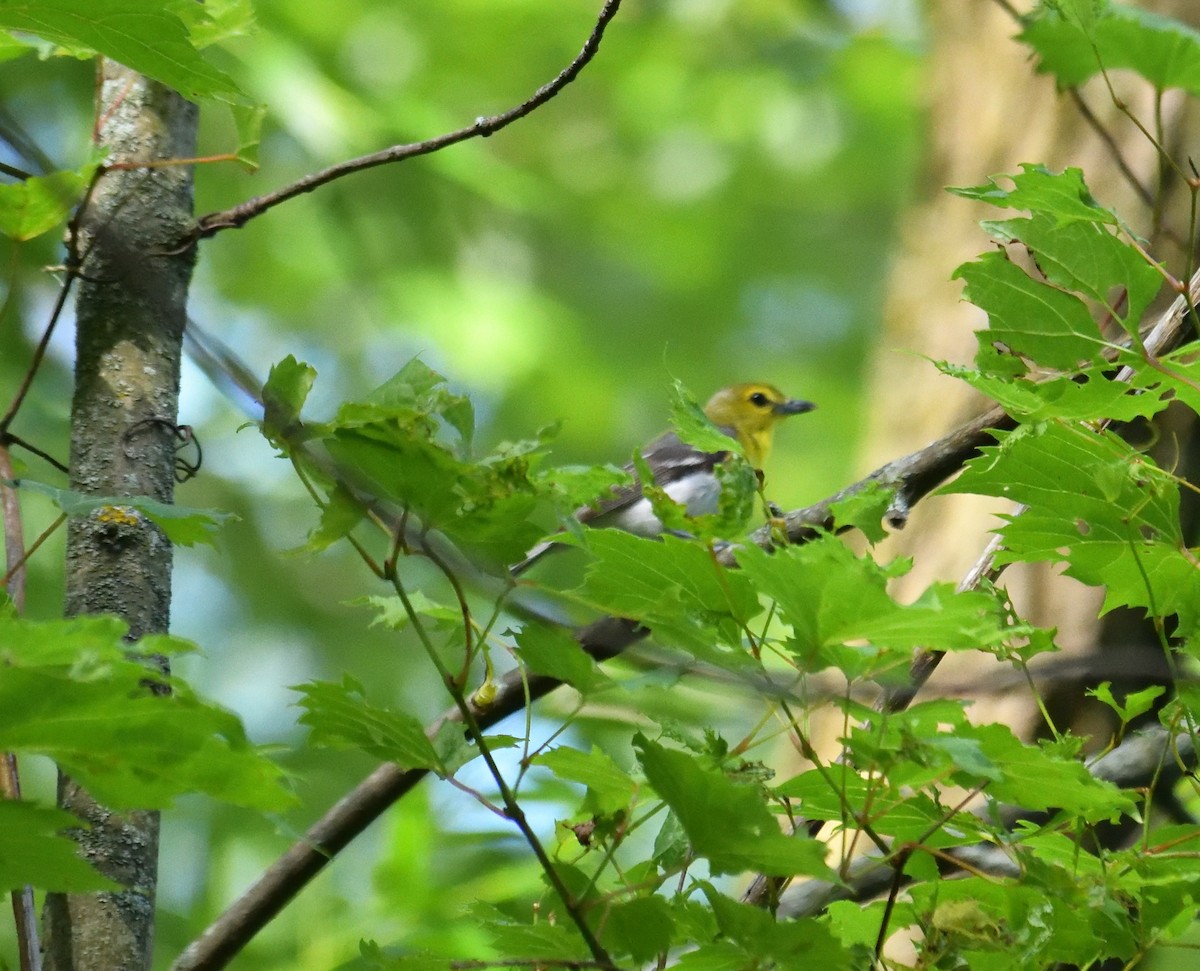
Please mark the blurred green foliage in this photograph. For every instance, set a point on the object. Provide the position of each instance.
(712, 200)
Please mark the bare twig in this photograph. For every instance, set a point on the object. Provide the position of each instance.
(482, 127)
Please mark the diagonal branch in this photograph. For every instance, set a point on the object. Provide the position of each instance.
(288, 875)
(482, 127)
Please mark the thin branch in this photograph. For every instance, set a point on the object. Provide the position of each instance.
(482, 127)
(1132, 764)
(288, 875)
(15, 555)
(14, 535)
(914, 476)
(34, 450)
(74, 261)
(1114, 150)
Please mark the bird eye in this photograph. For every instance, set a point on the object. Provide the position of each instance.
(758, 398)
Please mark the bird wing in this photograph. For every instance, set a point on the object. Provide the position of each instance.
(670, 458)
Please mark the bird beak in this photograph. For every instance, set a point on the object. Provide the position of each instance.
(793, 407)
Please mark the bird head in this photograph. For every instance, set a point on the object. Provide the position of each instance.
(750, 413)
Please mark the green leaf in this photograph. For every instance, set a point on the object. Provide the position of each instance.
(341, 717)
(149, 38)
(343, 510)
(182, 526)
(671, 585)
(1096, 504)
(407, 442)
(1136, 702)
(248, 121)
(554, 653)
(864, 509)
(391, 612)
(1031, 318)
(1087, 395)
(728, 823)
(1087, 258)
(692, 425)
(1038, 778)
(1165, 52)
(552, 941)
(768, 942)
(69, 692)
(375, 958)
(1074, 243)
(40, 203)
(641, 928)
(284, 393)
(213, 21)
(831, 597)
(610, 789)
(1063, 197)
(34, 853)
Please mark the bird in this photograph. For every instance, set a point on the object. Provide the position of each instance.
(747, 413)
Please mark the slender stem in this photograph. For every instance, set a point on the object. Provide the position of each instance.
(74, 261)
(16, 556)
(482, 127)
(512, 808)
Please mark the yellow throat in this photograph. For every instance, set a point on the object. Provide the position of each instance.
(750, 413)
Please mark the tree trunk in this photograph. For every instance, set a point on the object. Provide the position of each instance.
(989, 113)
(131, 312)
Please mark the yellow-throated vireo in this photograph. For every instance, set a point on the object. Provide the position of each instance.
(747, 413)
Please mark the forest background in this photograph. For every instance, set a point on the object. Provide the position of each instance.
(727, 192)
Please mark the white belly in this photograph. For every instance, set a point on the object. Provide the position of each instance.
(697, 493)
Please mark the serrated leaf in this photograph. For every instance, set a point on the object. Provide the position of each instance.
(692, 425)
(863, 509)
(42, 202)
(343, 510)
(1036, 778)
(1087, 258)
(33, 852)
(1136, 702)
(341, 717)
(375, 958)
(70, 693)
(1063, 197)
(610, 789)
(248, 121)
(831, 597)
(407, 443)
(545, 940)
(148, 38)
(673, 586)
(183, 526)
(215, 20)
(1073, 240)
(1031, 318)
(284, 393)
(1096, 504)
(556, 654)
(727, 823)
(1165, 52)
(1088, 395)
(768, 942)
(641, 927)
